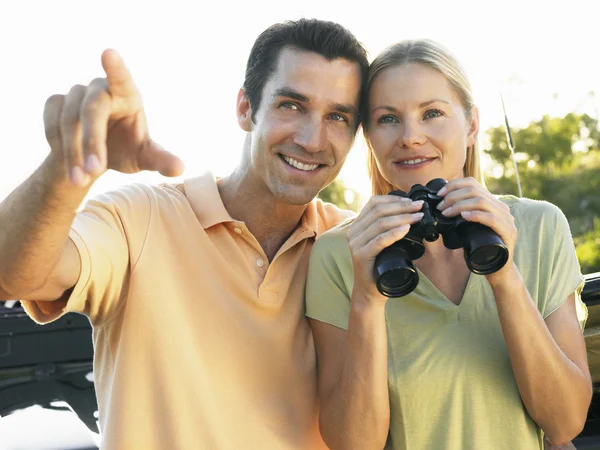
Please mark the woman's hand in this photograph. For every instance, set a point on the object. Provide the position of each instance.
(384, 220)
(467, 197)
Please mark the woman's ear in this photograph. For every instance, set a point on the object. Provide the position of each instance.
(244, 111)
(473, 132)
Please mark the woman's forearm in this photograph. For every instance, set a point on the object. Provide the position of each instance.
(554, 389)
(356, 414)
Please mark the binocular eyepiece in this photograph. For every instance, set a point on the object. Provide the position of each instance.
(484, 251)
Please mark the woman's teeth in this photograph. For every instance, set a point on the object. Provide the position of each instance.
(412, 161)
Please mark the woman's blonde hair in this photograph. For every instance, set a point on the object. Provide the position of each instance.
(434, 55)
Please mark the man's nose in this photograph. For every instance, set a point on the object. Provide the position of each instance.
(311, 136)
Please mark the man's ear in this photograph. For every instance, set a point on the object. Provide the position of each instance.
(244, 111)
(474, 127)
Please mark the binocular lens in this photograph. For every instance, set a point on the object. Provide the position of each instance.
(487, 259)
(394, 271)
(398, 282)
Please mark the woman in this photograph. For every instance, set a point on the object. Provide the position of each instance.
(464, 361)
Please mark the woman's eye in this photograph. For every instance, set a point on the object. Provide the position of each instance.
(432, 113)
(387, 119)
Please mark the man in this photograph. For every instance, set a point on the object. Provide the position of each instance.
(195, 291)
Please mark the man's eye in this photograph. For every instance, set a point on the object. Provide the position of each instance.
(338, 118)
(387, 119)
(289, 105)
(432, 113)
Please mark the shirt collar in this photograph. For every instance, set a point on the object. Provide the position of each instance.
(203, 194)
(205, 199)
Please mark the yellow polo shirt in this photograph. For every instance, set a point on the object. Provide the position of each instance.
(200, 342)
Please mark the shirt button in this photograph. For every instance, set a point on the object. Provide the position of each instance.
(237, 230)
(260, 262)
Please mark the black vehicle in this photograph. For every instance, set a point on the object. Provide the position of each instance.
(590, 436)
(50, 364)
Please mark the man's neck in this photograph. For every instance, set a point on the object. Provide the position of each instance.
(270, 221)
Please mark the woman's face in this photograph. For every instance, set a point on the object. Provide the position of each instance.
(417, 126)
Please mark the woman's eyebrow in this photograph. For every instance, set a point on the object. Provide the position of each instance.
(434, 100)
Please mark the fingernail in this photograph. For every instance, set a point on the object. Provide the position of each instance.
(404, 227)
(92, 163)
(447, 211)
(440, 205)
(77, 176)
(466, 214)
(417, 203)
(442, 191)
(417, 216)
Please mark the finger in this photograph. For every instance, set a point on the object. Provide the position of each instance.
(458, 194)
(481, 200)
(372, 248)
(385, 224)
(503, 226)
(154, 157)
(70, 130)
(469, 203)
(376, 200)
(458, 183)
(52, 113)
(386, 205)
(120, 81)
(378, 220)
(95, 114)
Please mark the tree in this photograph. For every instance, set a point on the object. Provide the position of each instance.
(340, 195)
(588, 249)
(558, 160)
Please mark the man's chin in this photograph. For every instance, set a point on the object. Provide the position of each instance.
(296, 197)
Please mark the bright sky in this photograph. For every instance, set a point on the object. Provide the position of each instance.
(189, 63)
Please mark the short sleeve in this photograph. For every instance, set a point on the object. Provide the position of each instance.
(545, 254)
(564, 276)
(109, 234)
(330, 279)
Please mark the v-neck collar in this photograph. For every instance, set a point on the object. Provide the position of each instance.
(426, 284)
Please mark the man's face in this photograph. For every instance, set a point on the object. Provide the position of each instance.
(304, 127)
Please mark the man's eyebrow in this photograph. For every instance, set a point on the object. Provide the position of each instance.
(347, 109)
(291, 93)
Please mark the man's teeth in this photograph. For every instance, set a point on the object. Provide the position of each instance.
(299, 165)
(413, 161)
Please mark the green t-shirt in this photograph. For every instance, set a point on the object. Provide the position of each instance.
(450, 380)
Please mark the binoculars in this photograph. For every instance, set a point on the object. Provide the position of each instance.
(484, 251)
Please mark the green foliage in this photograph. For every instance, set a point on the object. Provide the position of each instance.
(588, 249)
(341, 196)
(559, 161)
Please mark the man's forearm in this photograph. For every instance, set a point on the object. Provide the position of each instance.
(34, 225)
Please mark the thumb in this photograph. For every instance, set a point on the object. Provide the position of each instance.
(154, 157)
